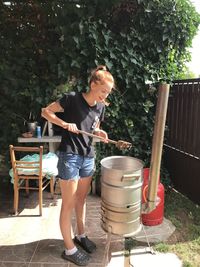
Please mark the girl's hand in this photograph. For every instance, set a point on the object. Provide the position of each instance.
(70, 127)
(102, 134)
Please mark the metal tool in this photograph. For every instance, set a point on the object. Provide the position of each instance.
(119, 144)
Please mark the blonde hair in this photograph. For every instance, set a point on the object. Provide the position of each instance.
(100, 74)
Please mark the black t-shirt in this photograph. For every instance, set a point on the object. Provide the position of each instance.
(77, 110)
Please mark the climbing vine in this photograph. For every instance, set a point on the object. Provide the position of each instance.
(49, 47)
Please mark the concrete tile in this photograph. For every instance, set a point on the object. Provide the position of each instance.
(89, 265)
(17, 253)
(42, 264)
(48, 251)
(13, 264)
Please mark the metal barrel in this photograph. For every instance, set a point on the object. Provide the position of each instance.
(121, 194)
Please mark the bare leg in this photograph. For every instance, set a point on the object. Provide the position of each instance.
(68, 191)
(80, 204)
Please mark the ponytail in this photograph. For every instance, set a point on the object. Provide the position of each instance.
(101, 67)
(100, 74)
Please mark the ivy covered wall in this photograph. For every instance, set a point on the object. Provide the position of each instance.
(49, 47)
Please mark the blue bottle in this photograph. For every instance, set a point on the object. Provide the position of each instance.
(38, 132)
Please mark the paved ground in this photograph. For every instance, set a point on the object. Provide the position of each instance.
(29, 240)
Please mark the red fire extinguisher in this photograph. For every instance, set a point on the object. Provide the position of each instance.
(155, 217)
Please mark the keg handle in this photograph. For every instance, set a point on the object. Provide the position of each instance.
(128, 176)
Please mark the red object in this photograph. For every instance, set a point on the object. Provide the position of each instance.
(155, 217)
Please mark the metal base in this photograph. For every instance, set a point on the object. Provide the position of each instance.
(127, 251)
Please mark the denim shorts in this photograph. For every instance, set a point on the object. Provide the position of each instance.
(72, 166)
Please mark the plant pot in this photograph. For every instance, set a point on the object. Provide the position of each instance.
(32, 127)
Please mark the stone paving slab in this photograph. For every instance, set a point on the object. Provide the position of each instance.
(157, 233)
(141, 257)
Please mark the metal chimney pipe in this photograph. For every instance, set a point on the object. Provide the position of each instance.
(157, 146)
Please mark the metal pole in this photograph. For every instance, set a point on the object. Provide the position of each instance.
(157, 146)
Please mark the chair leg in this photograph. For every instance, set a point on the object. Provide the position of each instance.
(52, 186)
(16, 196)
(40, 197)
(27, 187)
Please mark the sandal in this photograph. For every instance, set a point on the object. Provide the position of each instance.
(85, 243)
(79, 258)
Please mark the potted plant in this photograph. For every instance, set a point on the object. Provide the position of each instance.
(30, 124)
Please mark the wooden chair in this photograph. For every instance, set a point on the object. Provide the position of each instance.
(34, 170)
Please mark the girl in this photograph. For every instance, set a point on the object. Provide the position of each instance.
(82, 111)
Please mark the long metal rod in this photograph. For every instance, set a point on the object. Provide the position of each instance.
(157, 147)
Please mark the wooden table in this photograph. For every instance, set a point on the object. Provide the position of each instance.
(52, 140)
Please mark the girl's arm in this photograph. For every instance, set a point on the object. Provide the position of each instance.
(49, 114)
